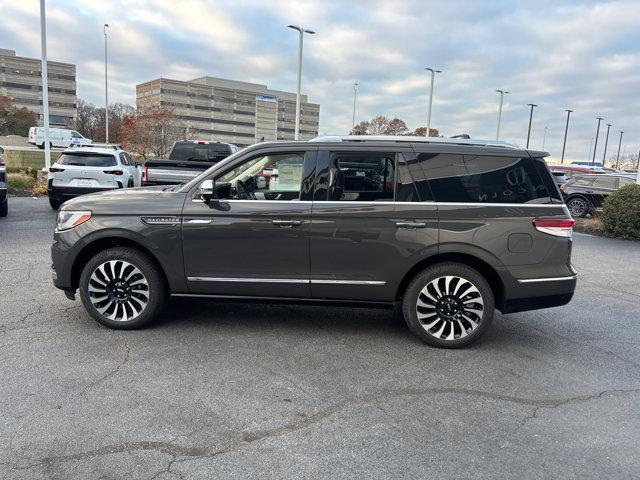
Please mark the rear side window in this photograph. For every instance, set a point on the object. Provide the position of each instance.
(87, 160)
(485, 179)
(584, 181)
(362, 176)
(206, 152)
(606, 182)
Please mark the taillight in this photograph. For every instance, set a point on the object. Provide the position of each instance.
(56, 170)
(145, 174)
(113, 172)
(558, 227)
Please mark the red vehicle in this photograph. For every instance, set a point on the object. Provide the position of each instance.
(573, 170)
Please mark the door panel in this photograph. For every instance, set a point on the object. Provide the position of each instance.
(246, 246)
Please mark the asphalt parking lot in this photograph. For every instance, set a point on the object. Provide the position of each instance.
(224, 390)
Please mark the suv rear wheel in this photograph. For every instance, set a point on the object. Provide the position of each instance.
(578, 207)
(122, 288)
(448, 305)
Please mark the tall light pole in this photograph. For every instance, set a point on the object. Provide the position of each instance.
(544, 138)
(619, 145)
(606, 142)
(595, 146)
(433, 77)
(532, 105)
(355, 95)
(301, 31)
(45, 85)
(502, 94)
(566, 129)
(106, 94)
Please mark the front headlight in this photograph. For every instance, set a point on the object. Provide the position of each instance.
(68, 219)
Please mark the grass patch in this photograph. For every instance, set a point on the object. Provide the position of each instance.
(18, 183)
(591, 225)
(22, 159)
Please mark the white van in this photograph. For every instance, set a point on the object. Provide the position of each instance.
(58, 137)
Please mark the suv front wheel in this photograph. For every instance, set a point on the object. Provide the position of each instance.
(122, 288)
(448, 305)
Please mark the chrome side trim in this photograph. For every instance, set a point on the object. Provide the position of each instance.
(550, 279)
(247, 280)
(286, 280)
(489, 204)
(429, 202)
(349, 282)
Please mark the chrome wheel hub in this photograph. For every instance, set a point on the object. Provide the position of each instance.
(576, 207)
(450, 307)
(118, 290)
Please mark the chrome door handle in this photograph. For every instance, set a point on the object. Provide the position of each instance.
(411, 224)
(287, 223)
(202, 221)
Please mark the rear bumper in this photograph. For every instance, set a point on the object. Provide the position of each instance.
(537, 293)
(66, 193)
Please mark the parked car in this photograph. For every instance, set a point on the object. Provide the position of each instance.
(559, 177)
(4, 205)
(448, 229)
(583, 195)
(58, 137)
(572, 170)
(88, 169)
(188, 159)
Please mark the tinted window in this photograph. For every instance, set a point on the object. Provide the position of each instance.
(87, 160)
(405, 187)
(484, 179)
(206, 152)
(123, 159)
(623, 181)
(606, 182)
(362, 176)
(584, 181)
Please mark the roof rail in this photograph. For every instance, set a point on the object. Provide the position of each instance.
(114, 146)
(412, 139)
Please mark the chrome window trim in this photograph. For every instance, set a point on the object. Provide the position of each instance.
(348, 282)
(548, 279)
(430, 202)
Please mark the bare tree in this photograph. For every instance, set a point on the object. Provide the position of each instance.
(360, 129)
(378, 125)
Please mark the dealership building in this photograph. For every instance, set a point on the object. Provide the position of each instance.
(21, 80)
(230, 111)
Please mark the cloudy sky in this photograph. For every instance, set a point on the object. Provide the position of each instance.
(559, 54)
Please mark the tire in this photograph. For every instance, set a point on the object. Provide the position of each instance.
(55, 204)
(579, 207)
(468, 312)
(41, 146)
(4, 208)
(122, 288)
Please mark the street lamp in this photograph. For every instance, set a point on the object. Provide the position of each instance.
(45, 85)
(502, 94)
(532, 105)
(595, 146)
(106, 95)
(566, 129)
(301, 31)
(433, 77)
(606, 142)
(355, 95)
(619, 145)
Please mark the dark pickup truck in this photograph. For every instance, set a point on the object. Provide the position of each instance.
(188, 158)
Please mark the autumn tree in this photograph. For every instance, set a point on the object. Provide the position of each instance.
(421, 131)
(151, 131)
(89, 120)
(14, 120)
(396, 127)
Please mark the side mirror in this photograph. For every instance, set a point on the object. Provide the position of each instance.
(207, 190)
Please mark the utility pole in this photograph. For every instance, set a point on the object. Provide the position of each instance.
(502, 94)
(532, 105)
(106, 95)
(301, 31)
(618, 156)
(355, 95)
(433, 77)
(595, 146)
(566, 129)
(45, 85)
(606, 142)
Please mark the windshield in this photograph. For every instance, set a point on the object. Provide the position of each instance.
(211, 152)
(87, 160)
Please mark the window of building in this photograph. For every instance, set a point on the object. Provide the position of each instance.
(362, 176)
(483, 179)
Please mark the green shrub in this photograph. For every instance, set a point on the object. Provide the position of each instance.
(621, 213)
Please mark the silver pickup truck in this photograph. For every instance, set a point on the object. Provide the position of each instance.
(188, 158)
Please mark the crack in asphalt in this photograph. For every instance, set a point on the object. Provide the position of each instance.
(303, 421)
(115, 369)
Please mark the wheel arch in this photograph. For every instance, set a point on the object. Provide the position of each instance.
(487, 270)
(103, 243)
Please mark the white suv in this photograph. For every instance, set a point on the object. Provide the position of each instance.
(88, 169)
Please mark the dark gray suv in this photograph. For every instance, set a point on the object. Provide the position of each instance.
(449, 230)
